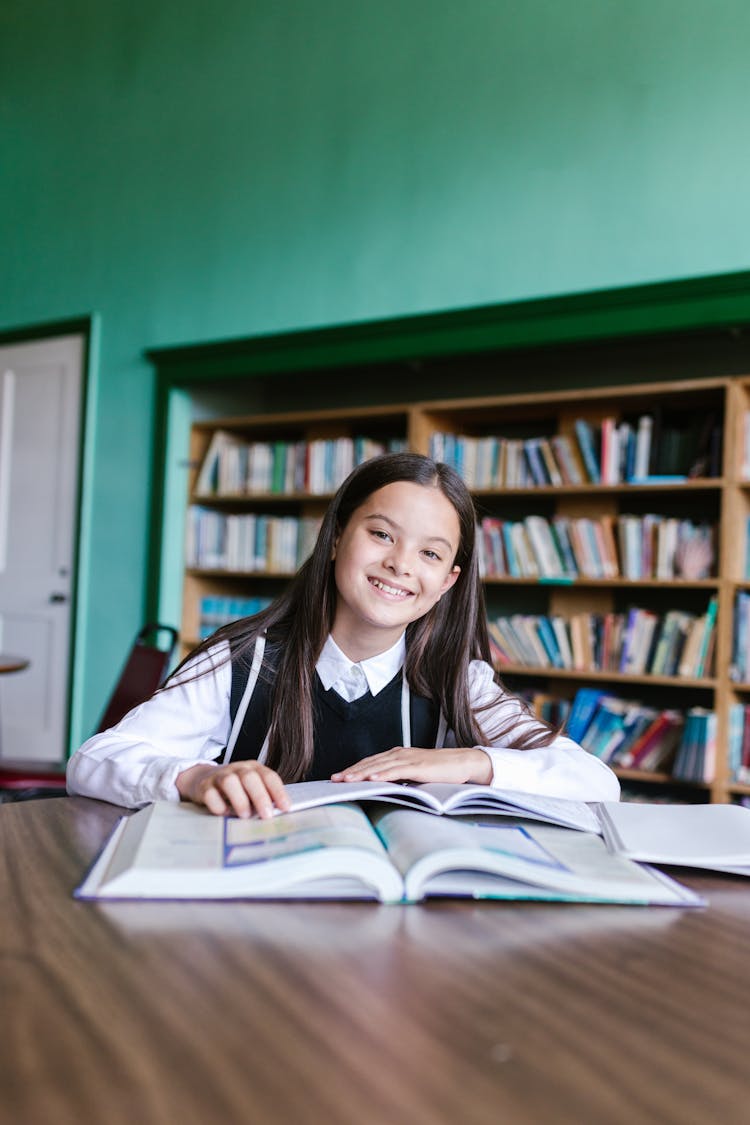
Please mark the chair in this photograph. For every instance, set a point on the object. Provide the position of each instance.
(144, 670)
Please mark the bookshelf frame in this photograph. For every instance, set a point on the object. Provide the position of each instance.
(417, 421)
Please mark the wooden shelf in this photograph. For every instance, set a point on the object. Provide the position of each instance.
(218, 572)
(245, 499)
(544, 414)
(713, 484)
(611, 583)
(644, 775)
(597, 676)
(659, 778)
(709, 484)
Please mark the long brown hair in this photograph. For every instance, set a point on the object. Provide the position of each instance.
(439, 646)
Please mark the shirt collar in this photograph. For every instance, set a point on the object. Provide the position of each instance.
(378, 670)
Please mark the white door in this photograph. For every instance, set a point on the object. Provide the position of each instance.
(40, 422)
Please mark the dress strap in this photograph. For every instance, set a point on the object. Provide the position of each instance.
(405, 710)
(252, 679)
(442, 730)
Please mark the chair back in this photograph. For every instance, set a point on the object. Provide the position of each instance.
(144, 670)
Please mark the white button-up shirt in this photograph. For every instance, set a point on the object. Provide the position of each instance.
(352, 681)
(138, 760)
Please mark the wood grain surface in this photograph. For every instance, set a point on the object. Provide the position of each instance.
(457, 1012)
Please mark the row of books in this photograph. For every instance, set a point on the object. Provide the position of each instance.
(625, 546)
(631, 735)
(637, 642)
(233, 466)
(740, 666)
(251, 543)
(215, 611)
(738, 742)
(745, 450)
(610, 451)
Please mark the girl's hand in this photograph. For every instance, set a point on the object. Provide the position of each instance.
(239, 788)
(453, 766)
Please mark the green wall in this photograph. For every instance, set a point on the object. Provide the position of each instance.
(189, 171)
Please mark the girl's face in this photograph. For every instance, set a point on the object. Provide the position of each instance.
(393, 562)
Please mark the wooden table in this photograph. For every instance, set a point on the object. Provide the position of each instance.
(461, 1013)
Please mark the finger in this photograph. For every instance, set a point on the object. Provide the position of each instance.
(235, 791)
(260, 799)
(404, 771)
(209, 796)
(276, 790)
(375, 771)
(365, 766)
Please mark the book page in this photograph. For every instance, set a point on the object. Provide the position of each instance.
(177, 836)
(410, 837)
(440, 797)
(180, 851)
(306, 794)
(576, 863)
(337, 826)
(688, 835)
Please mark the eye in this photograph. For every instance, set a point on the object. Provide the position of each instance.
(432, 555)
(382, 535)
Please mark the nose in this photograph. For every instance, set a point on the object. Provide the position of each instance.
(398, 560)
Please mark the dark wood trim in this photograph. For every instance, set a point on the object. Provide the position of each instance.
(75, 326)
(694, 305)
(690, 305)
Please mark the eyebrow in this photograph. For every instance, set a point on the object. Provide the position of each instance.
(396, 527)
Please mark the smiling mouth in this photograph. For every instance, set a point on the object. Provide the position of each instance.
(393, 591)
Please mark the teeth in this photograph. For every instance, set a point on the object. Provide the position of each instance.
(389, 589)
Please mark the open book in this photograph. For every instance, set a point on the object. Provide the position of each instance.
(335, 851)
(714, 837)
(447, 800)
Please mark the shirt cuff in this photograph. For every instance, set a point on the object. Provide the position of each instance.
(552, 771)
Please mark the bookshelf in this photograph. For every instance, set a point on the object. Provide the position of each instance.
(698, 477)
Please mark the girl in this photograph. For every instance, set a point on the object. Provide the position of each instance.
(374, 664)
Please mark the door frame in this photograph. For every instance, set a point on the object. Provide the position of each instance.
(86, 327)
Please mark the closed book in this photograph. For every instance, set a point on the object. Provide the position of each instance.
(569, 459)
(562, 635)
(545, 550)
(548, 638)
(639, 719)
(535, 462)
(584, 705)
(610, 451)
(652, 739)
(580, 641)
(659, 755)
(514, 565)
(550, 463)
(213, 473)
(504, 642)
(707, 639)
(688, 667)
(643, 435)
(528, 566)
(587, 443)
(561, 533)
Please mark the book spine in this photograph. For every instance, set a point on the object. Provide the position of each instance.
(585, 435)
